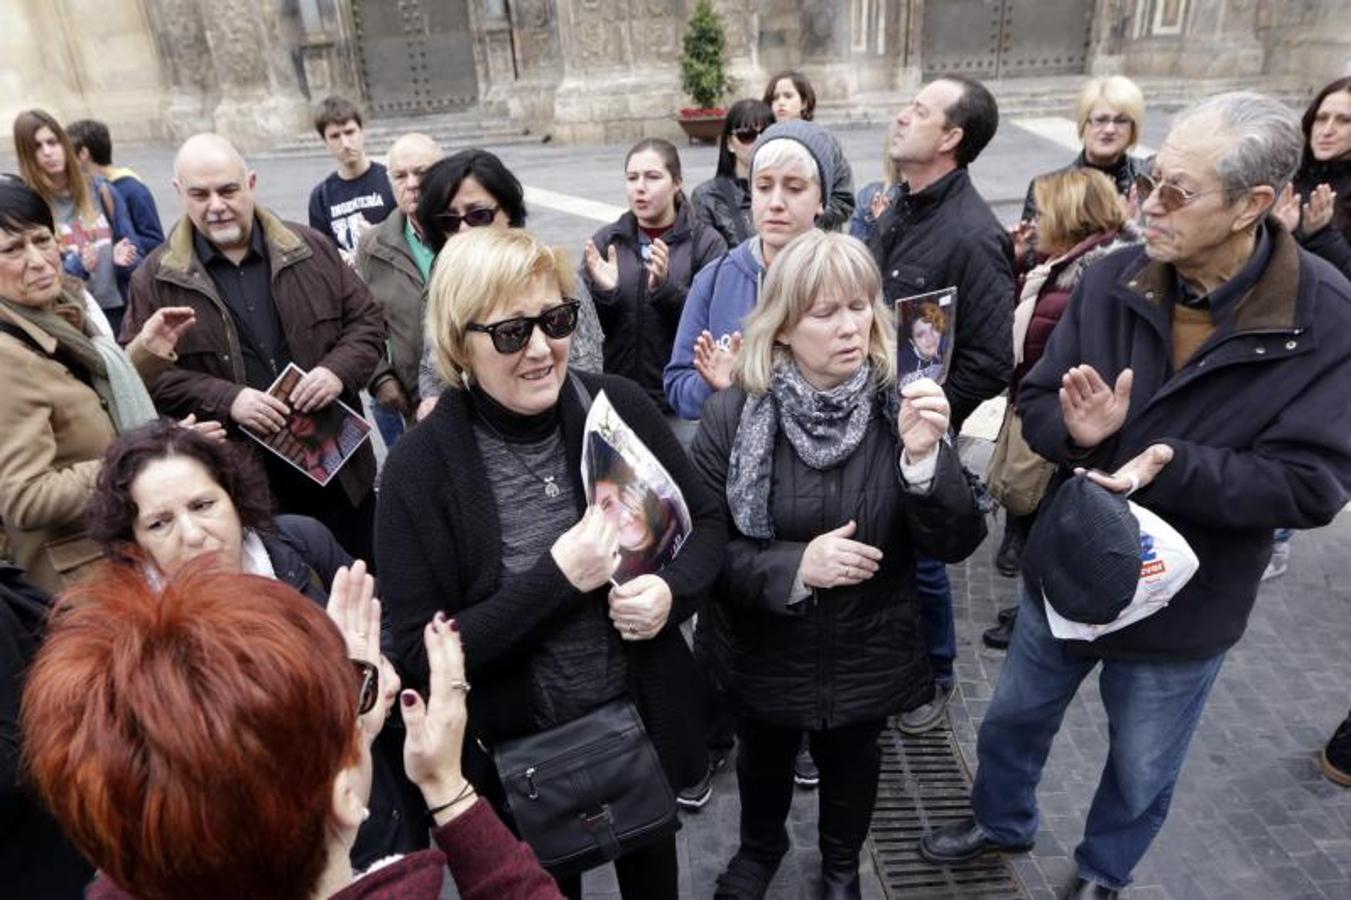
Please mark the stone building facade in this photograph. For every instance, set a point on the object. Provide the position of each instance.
(588, 70)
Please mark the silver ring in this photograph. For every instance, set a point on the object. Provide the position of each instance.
(459, 685)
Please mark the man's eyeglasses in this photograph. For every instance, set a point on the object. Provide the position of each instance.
(747, 135)
(1171, 197)
(1104, 121)
(368, 685)
(510, 335)
(449, 222)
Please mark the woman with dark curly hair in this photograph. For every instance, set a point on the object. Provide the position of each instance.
(167, 496)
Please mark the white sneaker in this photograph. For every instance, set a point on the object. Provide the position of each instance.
(1280, 561)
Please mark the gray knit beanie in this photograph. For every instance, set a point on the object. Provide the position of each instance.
(816, 139)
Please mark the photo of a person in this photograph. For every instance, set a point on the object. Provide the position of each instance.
(318, 442)
(925, 339)
(649, 525)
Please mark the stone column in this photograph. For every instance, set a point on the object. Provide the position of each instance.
(185, 63)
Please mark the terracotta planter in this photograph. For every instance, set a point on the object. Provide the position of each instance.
(705, 129)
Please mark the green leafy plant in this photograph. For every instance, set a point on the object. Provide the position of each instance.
(703, 60)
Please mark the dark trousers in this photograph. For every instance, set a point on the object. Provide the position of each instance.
(650, 871)
(720, 722)
(849, 761)
(296, 494)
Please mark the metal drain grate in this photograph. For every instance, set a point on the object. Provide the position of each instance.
(924, 785)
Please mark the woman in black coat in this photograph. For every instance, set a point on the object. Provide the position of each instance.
(832, 493)
(639, 268)
(1318, 208)
(483, 516)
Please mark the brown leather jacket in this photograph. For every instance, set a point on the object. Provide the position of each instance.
(327, 314)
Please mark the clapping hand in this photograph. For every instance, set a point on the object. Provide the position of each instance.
(715, 359)
(640, 607)
(923, 419)
(124, 253)
(1318, 211)
(1286, 208)
(658, 264)
(161, 332)
(604, 270)
(353, 608)
(834, 560)
(434, 731)
(1093, 410)
(1024, 235)
(1137, 473)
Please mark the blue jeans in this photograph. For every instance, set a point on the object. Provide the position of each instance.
(389, 421)
(1152, 711)
(935, 610)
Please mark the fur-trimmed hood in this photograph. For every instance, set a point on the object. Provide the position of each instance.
(1069, 269)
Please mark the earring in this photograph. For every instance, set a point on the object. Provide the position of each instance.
(365, 813)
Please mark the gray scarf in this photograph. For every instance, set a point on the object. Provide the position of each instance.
(823, 427)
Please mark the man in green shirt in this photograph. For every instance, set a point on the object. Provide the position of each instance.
(396, 263)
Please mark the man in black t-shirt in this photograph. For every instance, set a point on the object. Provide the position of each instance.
(355, 197)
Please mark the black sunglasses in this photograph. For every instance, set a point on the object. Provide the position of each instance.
(449, 222)
(747, 135)
(510, 335)
(368, 681)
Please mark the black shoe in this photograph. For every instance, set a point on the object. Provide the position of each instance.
(962, 842)
(1335, 759)
(1006, 615)
(805, 773)
(696, 795)
(841, 882)
(744, 879)
(998, 637)
(926, 716)
(1082, 889)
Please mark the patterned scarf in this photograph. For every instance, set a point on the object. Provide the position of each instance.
(823, 427)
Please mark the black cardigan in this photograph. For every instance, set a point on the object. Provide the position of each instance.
(438, 544)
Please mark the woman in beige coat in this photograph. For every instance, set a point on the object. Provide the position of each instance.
(68, 391)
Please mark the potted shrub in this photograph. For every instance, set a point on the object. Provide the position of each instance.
(703, 73)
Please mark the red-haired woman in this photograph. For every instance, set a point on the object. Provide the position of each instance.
(212, 740)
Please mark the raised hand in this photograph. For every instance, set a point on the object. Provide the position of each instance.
(588, 552)
(434, 731)
(1318, 211)
(161, 332)
(923, 419)
(604, 270)
(1286, 208)
(640, 607)
(124, 252)
(716, 359)
(834, 560)
(1093, 410)
(1024, 234)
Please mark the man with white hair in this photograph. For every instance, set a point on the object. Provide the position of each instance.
(267, 293)
(1208, 372)
(396, 262)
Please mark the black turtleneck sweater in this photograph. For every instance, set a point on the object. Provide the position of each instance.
(580, 664)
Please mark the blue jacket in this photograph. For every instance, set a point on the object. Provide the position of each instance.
(1257, 419)
(721, 295)
(140, 203)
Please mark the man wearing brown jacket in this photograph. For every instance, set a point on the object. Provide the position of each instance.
(266, 293)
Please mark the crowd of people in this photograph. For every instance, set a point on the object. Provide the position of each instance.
(202, 642)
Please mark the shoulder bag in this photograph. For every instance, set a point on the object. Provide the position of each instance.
(1018, 477)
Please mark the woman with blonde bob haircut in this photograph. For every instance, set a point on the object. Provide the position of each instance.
(483, 517)
(1110, 116)
(832, 484)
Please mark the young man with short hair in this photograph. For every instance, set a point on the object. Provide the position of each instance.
(357, 195)
(94, 150)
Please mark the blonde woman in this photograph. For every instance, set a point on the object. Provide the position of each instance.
(832, 484)
(1110, 116)
(876, 197)
(483, 517)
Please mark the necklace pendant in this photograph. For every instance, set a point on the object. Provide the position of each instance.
(551, 490)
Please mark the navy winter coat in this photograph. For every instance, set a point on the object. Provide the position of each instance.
(1258, 420)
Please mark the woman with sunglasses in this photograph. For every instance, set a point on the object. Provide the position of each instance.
(724, 201)
(1110, 113)
(639, 268)
(791, 97)
(474, 189)
(166, 496)
(483, 517)
(210, 738)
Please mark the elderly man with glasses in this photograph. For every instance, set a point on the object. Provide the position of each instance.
(1209, 371)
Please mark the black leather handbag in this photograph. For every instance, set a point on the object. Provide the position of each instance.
(587, 791)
